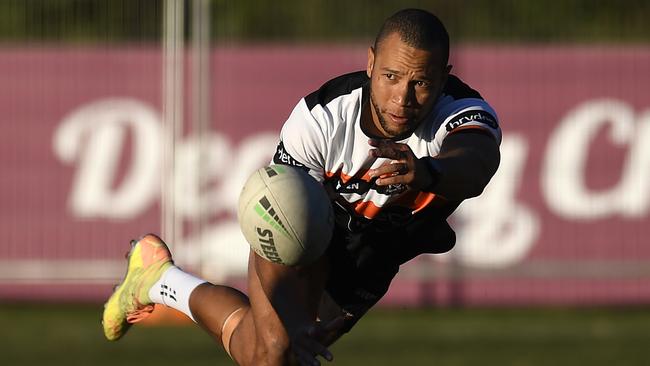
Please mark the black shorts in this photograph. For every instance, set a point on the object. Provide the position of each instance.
(365, 257)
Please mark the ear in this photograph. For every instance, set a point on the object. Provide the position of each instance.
(371, 61)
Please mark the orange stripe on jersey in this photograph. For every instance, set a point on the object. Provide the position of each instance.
(416, 201)
(473, 127)
(366, 209)
(422, 200)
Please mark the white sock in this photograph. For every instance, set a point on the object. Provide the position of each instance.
(174, 289)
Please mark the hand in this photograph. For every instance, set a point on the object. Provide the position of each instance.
(406, 168)
(310, 341)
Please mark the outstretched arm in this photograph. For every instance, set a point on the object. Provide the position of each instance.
(466, 163)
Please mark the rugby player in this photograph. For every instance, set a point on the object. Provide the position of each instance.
(398, 147)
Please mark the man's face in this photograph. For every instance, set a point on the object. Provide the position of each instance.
(404, 85)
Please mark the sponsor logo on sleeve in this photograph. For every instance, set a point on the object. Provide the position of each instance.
(472, 116)
(282, 157)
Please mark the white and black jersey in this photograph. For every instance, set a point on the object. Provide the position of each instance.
(324, 135)
(378, 228)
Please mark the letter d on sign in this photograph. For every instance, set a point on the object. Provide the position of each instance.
(92, 137)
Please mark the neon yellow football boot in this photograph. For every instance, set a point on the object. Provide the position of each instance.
(148, 258)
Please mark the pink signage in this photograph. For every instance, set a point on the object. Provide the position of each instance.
(564, 221)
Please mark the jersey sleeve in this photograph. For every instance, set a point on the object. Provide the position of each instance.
(303, 142)
(465, 114)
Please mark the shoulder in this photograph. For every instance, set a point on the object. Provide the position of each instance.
(461, 107)
(457, 89)
(335, 105)
(342, 86)
(309, 133)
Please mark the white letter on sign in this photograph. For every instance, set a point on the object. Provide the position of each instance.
(564, 168)
(496, 229)
(93, 138)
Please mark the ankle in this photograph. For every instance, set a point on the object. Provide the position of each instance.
(174, 289)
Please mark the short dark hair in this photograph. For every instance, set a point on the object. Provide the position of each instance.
(417, 28)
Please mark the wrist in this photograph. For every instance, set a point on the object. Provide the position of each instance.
(435, 172)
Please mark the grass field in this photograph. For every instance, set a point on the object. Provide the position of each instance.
(71, 335)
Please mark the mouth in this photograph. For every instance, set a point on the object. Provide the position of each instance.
(399, 119)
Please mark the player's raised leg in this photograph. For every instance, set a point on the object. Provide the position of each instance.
(152, 278)
(130, 303)
(253, 334)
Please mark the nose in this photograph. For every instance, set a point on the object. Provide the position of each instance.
(402, 94)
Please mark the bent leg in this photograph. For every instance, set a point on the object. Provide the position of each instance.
(260, 337)
(282, 300)
(212, 305)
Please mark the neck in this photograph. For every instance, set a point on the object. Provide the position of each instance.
(370, 121)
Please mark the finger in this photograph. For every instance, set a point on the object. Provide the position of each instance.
(388, 170)
(312, 348)
(305, 358)
(302, 354)
(377, 142)
(386, 152)
(321, 350)
(313, 345)
(397, 179)
(386, 149)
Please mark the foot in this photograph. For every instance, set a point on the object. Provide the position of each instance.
(148, 258)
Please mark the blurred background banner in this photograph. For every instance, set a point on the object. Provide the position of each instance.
(122, 118)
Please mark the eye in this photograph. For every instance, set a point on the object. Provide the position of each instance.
(390, 76)
(422, 84)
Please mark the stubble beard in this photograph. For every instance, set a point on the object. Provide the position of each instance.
(392, 133)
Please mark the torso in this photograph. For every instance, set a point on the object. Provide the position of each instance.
(324, 136)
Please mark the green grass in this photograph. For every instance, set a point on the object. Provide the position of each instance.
(71, 335)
